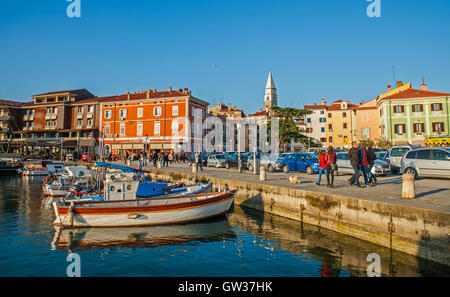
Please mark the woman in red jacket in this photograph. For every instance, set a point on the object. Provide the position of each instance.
(322, 165)
(330, 160)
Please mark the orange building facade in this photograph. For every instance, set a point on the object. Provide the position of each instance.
(152, 121)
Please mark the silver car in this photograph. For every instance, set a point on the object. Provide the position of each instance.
(430, 162)
(380, 167)
(395, 156)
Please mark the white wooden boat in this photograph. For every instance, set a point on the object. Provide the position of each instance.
(143, 212)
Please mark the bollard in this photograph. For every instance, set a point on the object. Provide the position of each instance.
(262, 173)
(194, 167)
(129, 162)
(240, 166)
(408, 188)
(159, 164)
(255, 167)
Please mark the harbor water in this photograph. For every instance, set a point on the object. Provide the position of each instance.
(246, 243)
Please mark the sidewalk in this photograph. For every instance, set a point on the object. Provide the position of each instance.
(433, 194)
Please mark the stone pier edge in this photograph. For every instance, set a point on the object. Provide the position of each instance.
(419, 232)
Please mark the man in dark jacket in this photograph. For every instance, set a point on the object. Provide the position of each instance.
(355, 160)
(371, 157)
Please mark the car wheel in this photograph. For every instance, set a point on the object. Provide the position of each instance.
(285, 169)
(250, 167)
(411, 171)
(310, 170)
(270, 168)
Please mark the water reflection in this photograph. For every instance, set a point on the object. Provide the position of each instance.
(149, 237)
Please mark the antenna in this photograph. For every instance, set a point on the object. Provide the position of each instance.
(393, 72)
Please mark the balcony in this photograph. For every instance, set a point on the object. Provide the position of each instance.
(50, 116)
(79, 116)
(4, 130)
(5, 117)
(90, 115)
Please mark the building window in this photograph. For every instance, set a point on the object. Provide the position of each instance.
(365, 133)
(399, 109)
(344, 114)
(436, 107)
(323, 120)
(175, 110)
(91, 108)
(417, 108)
(175, 128)
(123, 113)
(381, 112)
(365, 116)
(329, 115)
(322, 112)
(157, 111)
(90, 123)
(330, 127)
(108, 114)
(438, 127)
(157, 129)
(80, 109)
(122, 129)
(323, 140)
(322, 130)
(399, 129)
(308, 120)
(419, 127)
(330, 139)
(79, 123)
(345, 125)
(107, 131)
(140, 112)
(139, 129)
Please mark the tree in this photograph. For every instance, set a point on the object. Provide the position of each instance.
(288, 129)
(384, 143)
(367, 143)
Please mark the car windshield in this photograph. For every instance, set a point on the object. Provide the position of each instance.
(380, 155)
(398, 152)
(311, 157)
(221, 157)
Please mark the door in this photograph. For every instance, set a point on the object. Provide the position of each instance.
(290, 161)
(440, 163)
(423, 163)
(301, 163)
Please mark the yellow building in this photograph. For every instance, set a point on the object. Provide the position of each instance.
(341, 124)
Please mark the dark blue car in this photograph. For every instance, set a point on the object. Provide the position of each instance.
(303, 162)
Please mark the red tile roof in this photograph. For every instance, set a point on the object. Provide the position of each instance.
(11, 103)
(258, 114)
(143, 95)
(307, 107)
(416, 93)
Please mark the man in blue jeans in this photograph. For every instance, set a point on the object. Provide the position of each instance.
(371, 157)
(355, 160)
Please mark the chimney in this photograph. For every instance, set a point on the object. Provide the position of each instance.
(399, 84)
(324, 102)
(148, 94)
(229, 107)
(170, 89)
(389, 87)
(362, 102)
(128, 95)
(424, 85)
(315, 103)
(186, 90)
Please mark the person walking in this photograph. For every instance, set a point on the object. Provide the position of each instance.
(155, 159)
(364, 164)
(355, 160)
(322, 165)
(166, 160)
(371, 157)
(330, 160)
(198, 161)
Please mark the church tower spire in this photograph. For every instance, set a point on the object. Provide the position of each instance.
(270, 99)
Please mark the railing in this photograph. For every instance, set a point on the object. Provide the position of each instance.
(28, 117)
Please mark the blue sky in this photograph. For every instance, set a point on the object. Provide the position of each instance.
(316, 49)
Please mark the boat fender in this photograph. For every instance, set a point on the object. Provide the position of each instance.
(133, 216)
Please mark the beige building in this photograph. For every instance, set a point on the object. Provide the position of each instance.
(340, 124)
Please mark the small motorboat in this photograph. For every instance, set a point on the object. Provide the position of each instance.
(117, 212)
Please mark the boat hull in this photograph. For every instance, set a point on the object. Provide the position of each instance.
(143, 216)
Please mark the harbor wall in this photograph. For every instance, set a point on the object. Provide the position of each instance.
(420, 232)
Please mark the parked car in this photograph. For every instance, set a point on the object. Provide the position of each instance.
(268, 160)
(429, 162)
(304, 162)
(380, 167)
(382, 155)
(395, 156)
(216, 160)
